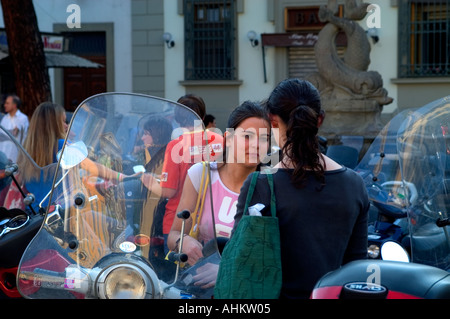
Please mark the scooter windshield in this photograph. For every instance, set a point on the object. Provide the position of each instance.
(406, 171)
(20, 176)
(423, 144)
(380, 169)
(23, 189)
(105, 237)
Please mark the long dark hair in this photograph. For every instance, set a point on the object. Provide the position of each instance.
(160, 129)
(297, 103)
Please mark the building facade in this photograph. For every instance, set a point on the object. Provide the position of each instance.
(229, 51)
(98, 31)
(408, 34)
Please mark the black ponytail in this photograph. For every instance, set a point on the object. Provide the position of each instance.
(302, 145)
(297, 103)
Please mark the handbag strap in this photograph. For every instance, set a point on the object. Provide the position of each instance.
(273, 203)
(250, 191)
(197, 214)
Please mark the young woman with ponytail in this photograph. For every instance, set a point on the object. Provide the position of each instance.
(322, 206)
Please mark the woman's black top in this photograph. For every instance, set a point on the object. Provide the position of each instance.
(321, 228)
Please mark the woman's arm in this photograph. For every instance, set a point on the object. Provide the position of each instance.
(191, 246)
(100, 170)
(152, 184)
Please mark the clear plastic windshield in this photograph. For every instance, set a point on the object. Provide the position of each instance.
(424, 148)
(380, 169)
(406, 171)
(23, 184)
(23, 187)
(105, 239)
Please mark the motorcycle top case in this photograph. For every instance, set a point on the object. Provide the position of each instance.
(380, 279)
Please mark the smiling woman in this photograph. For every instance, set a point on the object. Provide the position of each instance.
(250, 142)
(246, 138)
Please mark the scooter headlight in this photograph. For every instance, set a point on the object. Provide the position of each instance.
(393, 251)
(122, 282)
(373, 251)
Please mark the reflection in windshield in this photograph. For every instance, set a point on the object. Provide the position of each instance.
(103, 236)
(406, 171)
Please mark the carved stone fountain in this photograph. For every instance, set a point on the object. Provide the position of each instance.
(352, 96)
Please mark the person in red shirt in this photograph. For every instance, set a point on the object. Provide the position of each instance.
(183, 152)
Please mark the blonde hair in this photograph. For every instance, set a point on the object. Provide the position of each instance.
(45, 129)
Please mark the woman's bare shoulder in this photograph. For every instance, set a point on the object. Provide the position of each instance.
(331, 165)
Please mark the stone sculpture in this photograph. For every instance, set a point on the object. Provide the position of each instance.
(352, 96)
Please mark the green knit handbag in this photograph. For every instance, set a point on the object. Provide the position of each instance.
(250, 267)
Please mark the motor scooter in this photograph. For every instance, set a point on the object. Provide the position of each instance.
(101, 240)
(21, 211)
(408, 168)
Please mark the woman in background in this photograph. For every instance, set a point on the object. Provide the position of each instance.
(45, 138)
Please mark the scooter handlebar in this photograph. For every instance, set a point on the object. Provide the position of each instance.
(176, 257)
